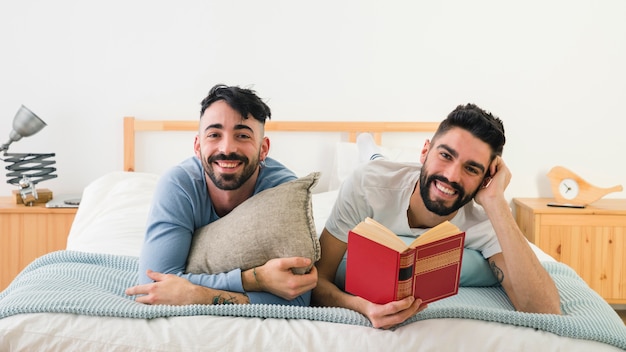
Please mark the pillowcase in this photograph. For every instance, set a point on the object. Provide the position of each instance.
(113, 213)
(323, 204)
(274, 223)
(347, 160)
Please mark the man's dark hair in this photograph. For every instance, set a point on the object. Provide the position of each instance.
(245, 101)
(480, 123)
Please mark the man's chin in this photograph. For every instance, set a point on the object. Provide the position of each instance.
(226, 182)
(226, 186)
(445, 202)
(440, 208)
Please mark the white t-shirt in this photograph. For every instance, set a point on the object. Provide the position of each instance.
(382, 190)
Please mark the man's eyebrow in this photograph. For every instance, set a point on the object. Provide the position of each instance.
(243, 127)
(449, 149)
(455, 154)
(477, 165)
(219, 126)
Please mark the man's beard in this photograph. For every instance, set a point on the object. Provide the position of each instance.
(229, 182)
(438, 206)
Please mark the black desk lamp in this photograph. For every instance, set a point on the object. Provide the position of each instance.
(27, 169)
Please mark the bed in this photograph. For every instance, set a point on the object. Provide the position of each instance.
(73, 299)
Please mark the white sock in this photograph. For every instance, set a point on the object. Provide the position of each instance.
(368, 150)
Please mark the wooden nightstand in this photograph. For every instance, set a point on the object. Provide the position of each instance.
(29, 232)
(591, 240)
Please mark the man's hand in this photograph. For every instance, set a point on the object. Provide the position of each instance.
(276, 277)
(166, 289)
(500, 178)
(386, 316)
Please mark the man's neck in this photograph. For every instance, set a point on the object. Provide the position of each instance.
(225, 201)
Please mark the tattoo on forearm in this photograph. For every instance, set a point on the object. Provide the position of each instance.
(220, 299)
(497, 272)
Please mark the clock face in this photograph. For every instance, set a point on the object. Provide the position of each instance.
(568, 188)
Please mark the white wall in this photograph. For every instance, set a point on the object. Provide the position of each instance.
(552, 70)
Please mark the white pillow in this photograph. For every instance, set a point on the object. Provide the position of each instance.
(113, 213)
(322, 206)
(347, 160)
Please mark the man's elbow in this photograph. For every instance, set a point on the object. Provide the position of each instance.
(544, 307)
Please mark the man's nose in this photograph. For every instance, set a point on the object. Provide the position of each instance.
(453, 173)
(228, 145)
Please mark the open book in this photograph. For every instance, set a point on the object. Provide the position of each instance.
(382, 268)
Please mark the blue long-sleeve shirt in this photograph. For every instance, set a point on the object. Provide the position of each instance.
(181, 204)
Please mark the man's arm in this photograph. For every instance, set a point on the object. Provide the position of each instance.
(326, 293)
(165, 251)
(174, 290)
(274, 283)
(528, 285)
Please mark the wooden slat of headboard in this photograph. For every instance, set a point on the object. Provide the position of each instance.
(352, 128)
(133, 125)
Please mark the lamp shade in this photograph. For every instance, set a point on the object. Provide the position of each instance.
(25, 124)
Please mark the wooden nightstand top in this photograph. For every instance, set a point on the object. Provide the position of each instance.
(8, 206)
(603, 206)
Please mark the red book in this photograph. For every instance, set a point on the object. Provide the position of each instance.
(382, 268)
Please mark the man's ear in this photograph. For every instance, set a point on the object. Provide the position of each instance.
(196, 146)
(265, 148)
(424, 152)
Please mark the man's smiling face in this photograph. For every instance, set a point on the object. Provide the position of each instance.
(453, 168)
(229, 146)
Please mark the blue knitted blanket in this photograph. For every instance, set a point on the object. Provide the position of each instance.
(94, 284)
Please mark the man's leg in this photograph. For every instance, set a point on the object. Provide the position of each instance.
(368, 150)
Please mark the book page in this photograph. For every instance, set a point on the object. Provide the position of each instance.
(377, 232)
(438, 232)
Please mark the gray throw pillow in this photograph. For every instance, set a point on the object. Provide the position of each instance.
(274, 223)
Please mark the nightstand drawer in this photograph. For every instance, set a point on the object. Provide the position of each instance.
(582, 220)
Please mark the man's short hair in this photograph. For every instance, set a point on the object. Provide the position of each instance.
(480, 123)
(244, 101)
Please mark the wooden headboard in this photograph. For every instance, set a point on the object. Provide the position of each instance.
(352, 128)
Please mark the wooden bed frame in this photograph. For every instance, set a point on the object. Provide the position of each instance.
(352, 128)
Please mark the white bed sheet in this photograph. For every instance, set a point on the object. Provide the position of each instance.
(99, 227)
(67, 332)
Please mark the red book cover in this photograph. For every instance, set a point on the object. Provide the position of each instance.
(381, 274)
(438, 268)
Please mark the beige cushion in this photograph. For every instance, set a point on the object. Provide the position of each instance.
(275, 223)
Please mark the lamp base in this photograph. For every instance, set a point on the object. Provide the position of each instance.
(44, 195)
